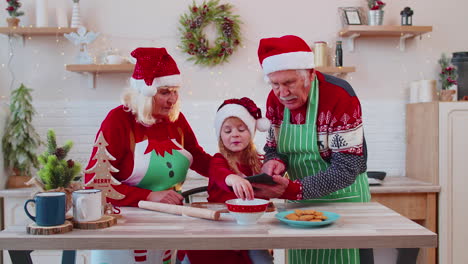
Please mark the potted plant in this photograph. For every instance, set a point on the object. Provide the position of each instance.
(13, 6)
(448, 79)
(20, 140)
(56, 172)
(376, 12)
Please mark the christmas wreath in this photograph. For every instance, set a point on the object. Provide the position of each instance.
(194, 41)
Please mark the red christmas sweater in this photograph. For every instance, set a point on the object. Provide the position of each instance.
(122, 132)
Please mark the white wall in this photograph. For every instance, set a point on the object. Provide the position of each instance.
(65, 103)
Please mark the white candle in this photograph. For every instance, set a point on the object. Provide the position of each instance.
(61, 14)
(427, 90)
(414, 92)
(42, 19)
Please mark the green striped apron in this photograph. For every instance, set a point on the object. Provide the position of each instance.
(299, 144)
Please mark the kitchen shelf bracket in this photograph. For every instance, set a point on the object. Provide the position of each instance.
(91, 79)
(403, 40)
(351, 41)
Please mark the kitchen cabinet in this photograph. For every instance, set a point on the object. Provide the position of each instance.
(437, 151)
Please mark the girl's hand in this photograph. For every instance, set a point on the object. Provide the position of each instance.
(242, 187)
(167, 196)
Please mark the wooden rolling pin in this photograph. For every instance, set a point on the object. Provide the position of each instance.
(180, 210)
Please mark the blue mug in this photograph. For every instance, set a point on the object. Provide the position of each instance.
(50, 208)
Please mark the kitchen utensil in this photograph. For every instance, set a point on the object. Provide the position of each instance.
(180, 210)
(261, 178)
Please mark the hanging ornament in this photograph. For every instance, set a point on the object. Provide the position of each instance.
(194, 41)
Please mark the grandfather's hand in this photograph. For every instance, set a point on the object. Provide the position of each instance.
(273, 167)
(167, 196)
(271, 191)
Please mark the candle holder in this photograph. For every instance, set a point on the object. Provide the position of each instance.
(406, 16)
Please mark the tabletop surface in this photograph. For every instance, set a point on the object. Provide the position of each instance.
(362, 225)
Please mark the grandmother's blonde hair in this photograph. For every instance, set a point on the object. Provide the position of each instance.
(142, 107)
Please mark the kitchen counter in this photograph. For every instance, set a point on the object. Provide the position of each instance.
(362, 225)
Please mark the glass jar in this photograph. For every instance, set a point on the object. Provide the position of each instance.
(320, 54)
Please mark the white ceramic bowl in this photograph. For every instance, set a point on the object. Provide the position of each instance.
(247, 212)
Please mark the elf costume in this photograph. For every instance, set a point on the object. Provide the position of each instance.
(322, 142)
(147, 158)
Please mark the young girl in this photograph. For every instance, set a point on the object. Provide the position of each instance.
(235, 124)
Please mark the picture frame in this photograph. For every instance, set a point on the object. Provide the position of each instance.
(352, 16)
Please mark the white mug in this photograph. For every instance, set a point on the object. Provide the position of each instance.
(87, 205)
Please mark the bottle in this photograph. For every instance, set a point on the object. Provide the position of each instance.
(320, 54)
(338, 55)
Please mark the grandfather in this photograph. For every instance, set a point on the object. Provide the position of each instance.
(316, 137)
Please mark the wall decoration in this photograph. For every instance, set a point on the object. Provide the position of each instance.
(352, 16)
(82, 38)
(407, 16)
(376, 13)
(103, 178)
(194, 41)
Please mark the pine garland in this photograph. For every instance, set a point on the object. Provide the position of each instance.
(193, 40)
(20, 140)
(56, 171)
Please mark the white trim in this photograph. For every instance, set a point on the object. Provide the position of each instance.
(288, 61)
(235, 110)
(150, 90)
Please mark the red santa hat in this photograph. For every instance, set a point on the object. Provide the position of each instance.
(154, 68)
(244, 109)
(284, 53)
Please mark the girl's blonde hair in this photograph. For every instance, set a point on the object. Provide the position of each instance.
(142, 107)
(249, 156)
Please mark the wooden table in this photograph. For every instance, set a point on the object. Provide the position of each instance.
(414, 199)
(362, 225)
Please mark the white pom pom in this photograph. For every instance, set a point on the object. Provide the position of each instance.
(263, 124)
(148, 91)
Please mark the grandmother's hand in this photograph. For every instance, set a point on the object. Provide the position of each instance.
(168, 196)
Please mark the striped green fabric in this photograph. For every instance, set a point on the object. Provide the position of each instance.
(299, 144)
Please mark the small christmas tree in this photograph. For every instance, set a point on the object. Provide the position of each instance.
(57, 172)
(103, 179)
(20, 139)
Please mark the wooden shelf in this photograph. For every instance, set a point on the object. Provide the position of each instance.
(100, 68)
(30, 31)
(336, 69)
(402, 32)
(128, 67)
(384, 31)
